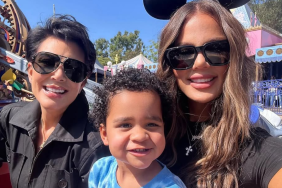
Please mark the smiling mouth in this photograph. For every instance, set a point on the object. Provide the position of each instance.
(53, 90)
(140, 150)
(202, 80)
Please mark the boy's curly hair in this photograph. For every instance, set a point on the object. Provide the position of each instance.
(138, 80)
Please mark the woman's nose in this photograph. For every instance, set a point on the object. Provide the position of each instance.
(200, 62)
(59, 74)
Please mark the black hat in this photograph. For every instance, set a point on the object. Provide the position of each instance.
(163, 9)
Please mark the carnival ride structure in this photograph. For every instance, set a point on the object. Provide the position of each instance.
(14, 29)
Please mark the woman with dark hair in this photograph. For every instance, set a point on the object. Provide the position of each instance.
(212, 142)
(50, 142)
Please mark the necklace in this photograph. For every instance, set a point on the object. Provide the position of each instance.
(189, 149)
(43, 135)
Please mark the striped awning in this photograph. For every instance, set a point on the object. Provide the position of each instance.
(269, 54)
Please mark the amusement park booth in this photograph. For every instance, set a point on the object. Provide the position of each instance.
(265, 46)
(98, 73)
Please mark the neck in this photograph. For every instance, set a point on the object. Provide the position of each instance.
(127, 175)
(199, 112)
(50, 118)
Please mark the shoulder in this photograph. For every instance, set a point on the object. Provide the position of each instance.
(90, 149)
(8, 112)
(262, 144)
(12, 107)
(261, 158)
(102, 172)
(167, 179)
(261, 140)
(104, 163)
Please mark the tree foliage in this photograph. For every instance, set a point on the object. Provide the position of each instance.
(102, 46)
(151, 51)
(269, 12)
(123, 46)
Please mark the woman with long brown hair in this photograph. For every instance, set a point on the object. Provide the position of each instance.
(212, 142)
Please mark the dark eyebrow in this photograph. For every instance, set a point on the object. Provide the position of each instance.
(122, 119)
(155, 118)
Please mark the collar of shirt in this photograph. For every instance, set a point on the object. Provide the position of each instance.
(70, 127)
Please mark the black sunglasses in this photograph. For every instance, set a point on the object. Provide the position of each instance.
(216, 53)
(46, 62)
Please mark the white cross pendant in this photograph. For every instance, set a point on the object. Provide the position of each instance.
(188, 150)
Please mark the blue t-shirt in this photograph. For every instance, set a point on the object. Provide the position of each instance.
(103, 175)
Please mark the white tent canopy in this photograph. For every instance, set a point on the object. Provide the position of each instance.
(136, 62)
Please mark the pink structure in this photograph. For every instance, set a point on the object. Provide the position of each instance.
(257, 34)
(261, 36)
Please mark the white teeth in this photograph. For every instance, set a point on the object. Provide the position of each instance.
(201, 80)
(140, 150)
(55, 90)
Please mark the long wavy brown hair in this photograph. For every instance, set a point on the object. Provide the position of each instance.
(224, 137)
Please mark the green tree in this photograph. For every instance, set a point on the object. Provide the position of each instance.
(151, 51)
(124, 45)
(269, 12)
(102, 48)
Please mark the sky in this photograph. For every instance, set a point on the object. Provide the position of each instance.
(103, 18)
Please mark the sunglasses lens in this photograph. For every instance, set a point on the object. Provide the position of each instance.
(75, 70)
(182, 58)
(45, 63)
(218, 53)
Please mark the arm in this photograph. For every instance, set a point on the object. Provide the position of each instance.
(276, 181)
(2, 138)
(2, 150)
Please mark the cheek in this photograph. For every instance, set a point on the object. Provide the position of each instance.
(117, 140)
(75, 87)
(222, 72)
(37, 79)
(181, 74)
(159, 140)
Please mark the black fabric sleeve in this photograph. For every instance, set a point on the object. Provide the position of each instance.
(262, 159)
(3, 136)
(87, 156)
(6, 114)
(102, 151)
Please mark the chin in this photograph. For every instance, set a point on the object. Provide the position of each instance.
(203, 98)
(52, 105)
(141, 165)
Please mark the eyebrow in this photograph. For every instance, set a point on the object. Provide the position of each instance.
(211, 40)
(123, 119)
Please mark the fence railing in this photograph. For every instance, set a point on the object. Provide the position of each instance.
(268, 94)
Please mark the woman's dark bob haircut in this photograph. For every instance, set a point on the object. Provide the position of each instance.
(64, 27)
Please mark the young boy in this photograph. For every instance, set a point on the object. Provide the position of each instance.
(132, 111)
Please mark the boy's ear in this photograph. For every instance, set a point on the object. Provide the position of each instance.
(103, 134)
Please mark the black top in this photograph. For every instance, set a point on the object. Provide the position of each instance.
(67, 156)
(261, 159)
